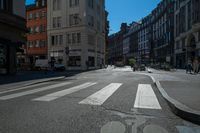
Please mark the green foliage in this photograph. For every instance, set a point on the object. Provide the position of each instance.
(132, 61)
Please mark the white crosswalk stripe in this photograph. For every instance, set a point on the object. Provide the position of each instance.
(15, 95)
(101, 96)
(59, 94)
(23, 88)
(146, 98)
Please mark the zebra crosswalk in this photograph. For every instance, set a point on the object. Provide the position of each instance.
(145, 96)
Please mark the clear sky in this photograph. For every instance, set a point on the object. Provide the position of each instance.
(125, 11)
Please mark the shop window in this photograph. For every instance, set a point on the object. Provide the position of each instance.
(91, 61)
(3, 53)
(74, 61)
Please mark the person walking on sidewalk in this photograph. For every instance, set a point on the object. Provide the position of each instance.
(195, 66)
(189, 67)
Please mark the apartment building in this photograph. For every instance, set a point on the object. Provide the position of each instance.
(187, 31)
(115, 44)
(130, 43)
(12, 33)
(163, 32)
(36, 17)
(76, 33)
(144, 45)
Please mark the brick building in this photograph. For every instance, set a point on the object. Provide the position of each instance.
(36, 15)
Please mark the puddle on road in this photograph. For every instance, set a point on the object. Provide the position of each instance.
(154, 129)
(113, 127)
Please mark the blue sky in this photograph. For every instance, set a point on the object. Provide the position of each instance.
(125, 11)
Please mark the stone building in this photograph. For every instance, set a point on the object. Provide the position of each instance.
(12, 33)
(115, 45)
(187, 31)
(76, 33)
(130, 43)
(163, 32)
(144, 45)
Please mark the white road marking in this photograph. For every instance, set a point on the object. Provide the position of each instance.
(15, 95)
(101, 96)
(23, 88)
(56, 95)
(146, 98)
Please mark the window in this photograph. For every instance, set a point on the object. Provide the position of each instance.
(43, 13)
(30, 16)
(37, 44)
(2, 4)
(91, 3)
(91, 39)
(75, 61)
(56, 22)
(68, 38)
(91, 61)
(79, 37)
(56, 5)
(37, 15)
(74, 3)
(43, 2)
(90, 20)
(74, 19)
(42, 28)
(74, 38)
(57, 40)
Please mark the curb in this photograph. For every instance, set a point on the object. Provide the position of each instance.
(178, 108)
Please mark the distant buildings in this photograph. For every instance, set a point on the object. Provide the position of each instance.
(163, 32)
(115, 45)
(12, 33)
(187, 31)
(169, 35)
(144, 40)
(77, 33)
(36, 17)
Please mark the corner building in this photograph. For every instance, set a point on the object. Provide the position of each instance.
(76, 33)
(12, 33)
(187, 32)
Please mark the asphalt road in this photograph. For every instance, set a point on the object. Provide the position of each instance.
(102, 101)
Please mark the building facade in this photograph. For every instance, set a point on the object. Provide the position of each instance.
(187, 31)
(76, 33)
(36, 17)
(12, 33)
(115, 45)
(130, 43)
(163, 32)
(144, 46)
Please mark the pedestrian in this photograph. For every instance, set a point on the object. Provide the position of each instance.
(189, 67)
(195, 66)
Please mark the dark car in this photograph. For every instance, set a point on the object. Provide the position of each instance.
(59, 67)
(142, 67)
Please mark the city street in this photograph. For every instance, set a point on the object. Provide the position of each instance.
(112, 100)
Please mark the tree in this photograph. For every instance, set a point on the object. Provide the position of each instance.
(132, 62)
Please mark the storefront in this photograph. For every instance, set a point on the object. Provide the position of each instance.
(3, 59)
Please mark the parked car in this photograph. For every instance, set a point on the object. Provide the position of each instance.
(142, 67)
(41, 64)
(59, 67)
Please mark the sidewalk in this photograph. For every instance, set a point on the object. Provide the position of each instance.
(181, 91)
